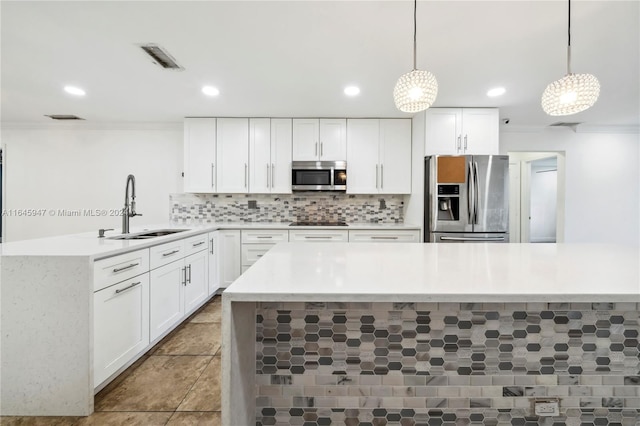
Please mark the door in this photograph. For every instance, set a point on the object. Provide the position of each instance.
(260, 155)
(166, 297)
(363, 167)
(121, 325)
(333, 139)
(490, 208)
(280, 170)
(199, 154)
(232, 152)
(395, 156)
(305, 139)
(196, 288)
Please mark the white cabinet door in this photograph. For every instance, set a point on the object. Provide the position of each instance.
(196, 288)
(362, 156)
(166, 297)
(443, 131)
(259, 155)
(333, 139)
(121, 325)
(384, 236)
(306, 133)
(214, 276)
(232, 153)
(395, 156)
(229, 267)
(280, 170)
(480, 131)
(199, 154)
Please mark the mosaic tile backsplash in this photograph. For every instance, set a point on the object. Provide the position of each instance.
(447, 363)
(315, 207)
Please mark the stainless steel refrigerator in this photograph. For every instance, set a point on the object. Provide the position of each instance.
(466, 199)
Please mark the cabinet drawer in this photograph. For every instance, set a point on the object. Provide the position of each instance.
(252, 252)
(382, 236)
(265, 236)
(196, 244)
(165, 253)
(115, 269)
(318, 235)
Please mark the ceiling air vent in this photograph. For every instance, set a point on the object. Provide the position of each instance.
(64, 117)
(161, 57)
(572, 126)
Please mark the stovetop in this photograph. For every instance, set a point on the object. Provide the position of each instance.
(318, 224)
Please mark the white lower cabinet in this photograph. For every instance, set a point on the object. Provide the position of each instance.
(196, 288)
(166, 297)
(384, 236)
(121, 325)
(229, 266)
(257, 242)
(214, 276)
(319, 235)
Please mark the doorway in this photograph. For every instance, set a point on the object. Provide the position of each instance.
(536, 205)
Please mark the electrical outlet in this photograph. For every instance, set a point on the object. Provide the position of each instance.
(547, 408)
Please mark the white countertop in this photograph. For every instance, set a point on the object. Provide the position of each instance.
(381, 272)
(88, 243)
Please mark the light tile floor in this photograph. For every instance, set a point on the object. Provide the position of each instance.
(176, 383)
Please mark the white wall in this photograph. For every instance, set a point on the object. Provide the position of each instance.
(602, 180)
(84, 166)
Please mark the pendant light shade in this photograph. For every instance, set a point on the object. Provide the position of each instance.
(572, 93)
(416, 90)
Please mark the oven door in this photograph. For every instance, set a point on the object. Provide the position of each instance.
(311, 180)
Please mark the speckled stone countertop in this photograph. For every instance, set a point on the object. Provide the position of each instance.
(378, 272)
(88, 243)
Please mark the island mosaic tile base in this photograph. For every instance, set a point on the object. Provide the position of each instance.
(447, 363)
(206, 208)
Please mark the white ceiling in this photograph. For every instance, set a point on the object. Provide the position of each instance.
(293, 58)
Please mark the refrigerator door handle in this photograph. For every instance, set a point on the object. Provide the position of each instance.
(476, 200)
(472, 238)
(470, 193)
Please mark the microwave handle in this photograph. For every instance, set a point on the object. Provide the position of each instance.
(333, 173)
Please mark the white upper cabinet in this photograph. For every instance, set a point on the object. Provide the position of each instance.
(379, 156)
(322, 139)
(270, 155)
(232, 153)
(199, 154)
(461, 131)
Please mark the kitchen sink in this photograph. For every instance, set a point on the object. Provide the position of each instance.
(144, 235)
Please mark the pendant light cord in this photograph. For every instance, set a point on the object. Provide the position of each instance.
(415, 8)
(569, 40)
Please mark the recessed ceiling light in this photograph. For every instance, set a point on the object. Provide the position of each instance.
(76, 91)
(496, 91)
(352, 90)
(210, 91)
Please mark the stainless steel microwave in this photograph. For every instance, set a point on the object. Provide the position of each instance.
(319, 176)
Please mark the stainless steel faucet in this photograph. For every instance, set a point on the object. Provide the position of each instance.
(129, 210)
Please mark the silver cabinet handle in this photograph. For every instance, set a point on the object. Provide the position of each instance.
(184, 275)
(124, 268)
(321, 149)
(374, 237)
(189, 266)
(316, 154)
(128, 287)
(197, 244)
(317, 237)
(381, 176)
(273, 175)
(459, 143)
(377, 165)
(169, 253)
(267, 175)
(259, 255)
(212, 174)
(264, 236)
(211, 245)
(465, 143)
(245, 175)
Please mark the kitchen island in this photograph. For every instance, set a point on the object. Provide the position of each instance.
(373, 333)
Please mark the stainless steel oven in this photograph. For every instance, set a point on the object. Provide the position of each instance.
(319, 176)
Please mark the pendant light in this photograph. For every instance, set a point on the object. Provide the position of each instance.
(416, 90)
(573, 92)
